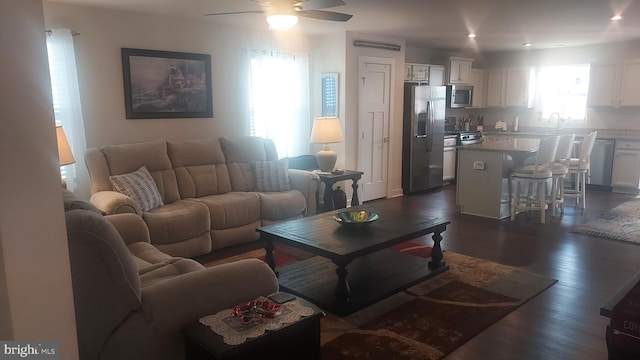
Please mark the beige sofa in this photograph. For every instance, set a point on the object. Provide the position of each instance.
(131, 299)
(207, 188)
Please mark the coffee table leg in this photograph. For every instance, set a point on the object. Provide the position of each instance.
(342, 287)
(436, 252)
(269, 258)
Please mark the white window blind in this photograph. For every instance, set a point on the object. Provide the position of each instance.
(279, 100)
(563, 89)
(66, 105)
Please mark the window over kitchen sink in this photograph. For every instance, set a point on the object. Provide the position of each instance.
(562, 93)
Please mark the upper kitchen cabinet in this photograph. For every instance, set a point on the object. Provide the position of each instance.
(510, 87)
(460, 70)
(424, 73)
(478, 81)
(615, 85)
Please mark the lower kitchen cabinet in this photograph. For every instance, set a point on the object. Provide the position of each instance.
(449, 164)
(626, 167)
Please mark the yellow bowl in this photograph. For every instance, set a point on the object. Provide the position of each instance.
(355, 217)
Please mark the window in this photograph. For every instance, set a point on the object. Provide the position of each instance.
(279, 100)
(66, 105)
(563, 90)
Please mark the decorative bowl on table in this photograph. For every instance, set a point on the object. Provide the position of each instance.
(355, 217)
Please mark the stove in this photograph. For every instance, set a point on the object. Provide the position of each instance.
(466, 137)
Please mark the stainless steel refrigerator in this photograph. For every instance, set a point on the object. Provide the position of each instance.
(423, 137)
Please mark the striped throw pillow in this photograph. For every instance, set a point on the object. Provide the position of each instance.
(271, 175)
(139, 186)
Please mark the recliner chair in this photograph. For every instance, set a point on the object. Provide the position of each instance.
(131, 299)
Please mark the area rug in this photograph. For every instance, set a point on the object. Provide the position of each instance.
(429, 320)
(620, 223)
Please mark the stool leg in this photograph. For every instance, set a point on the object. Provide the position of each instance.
(542, 190)
(561, 189)
(516, 199)
(583, 194)
(554, 195)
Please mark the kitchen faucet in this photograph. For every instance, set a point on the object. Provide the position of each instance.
(559, 119)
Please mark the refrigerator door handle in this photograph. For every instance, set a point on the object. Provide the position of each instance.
(429, 134)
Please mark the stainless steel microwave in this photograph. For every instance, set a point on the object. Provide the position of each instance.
(459, 96)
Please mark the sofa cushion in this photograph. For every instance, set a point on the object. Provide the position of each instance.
(126, 158)
(232, 210)
(240, 152)
(282, 205)
(177, 222)
(271, 175)
(167, 269)
(200, 167)
(138, 185)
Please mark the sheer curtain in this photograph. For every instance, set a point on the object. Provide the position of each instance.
(279, 99)
(66, 105)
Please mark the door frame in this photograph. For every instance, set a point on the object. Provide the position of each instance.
(389, 126)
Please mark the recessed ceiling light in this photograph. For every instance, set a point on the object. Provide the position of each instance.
(472, 35)
(616, 17)
(527, 44)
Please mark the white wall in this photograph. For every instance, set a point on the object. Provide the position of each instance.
(36, 302)
(104, 32)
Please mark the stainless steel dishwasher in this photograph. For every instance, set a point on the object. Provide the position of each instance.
(602, 164)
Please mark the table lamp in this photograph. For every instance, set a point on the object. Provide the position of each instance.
(65, 155)
(326, 130)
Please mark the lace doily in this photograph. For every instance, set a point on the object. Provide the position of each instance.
(234, 331)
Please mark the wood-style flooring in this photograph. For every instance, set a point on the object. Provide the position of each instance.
(563, 322)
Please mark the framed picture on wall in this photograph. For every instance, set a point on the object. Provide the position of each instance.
(166, 84)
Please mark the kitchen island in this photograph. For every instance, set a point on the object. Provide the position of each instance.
(483, 187)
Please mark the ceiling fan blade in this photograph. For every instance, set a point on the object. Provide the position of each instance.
(325, 15)
(317, 4)
(237, 12)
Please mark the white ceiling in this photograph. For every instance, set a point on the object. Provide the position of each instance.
(434, 24)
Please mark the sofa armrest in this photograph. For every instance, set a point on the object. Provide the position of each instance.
(113, 202)
(130, 226)
(308, 183)
(177, 301)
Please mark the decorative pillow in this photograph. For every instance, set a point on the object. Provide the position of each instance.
(139, 186)
(271, 175)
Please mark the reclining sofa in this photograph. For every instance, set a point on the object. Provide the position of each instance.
(204, 194)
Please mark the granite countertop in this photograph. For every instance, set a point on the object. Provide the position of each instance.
(619, 134)
(511, 145)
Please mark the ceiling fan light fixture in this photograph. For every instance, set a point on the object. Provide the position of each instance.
(282, 21)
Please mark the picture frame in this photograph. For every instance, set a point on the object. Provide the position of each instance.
(166, 84)
(330, 94)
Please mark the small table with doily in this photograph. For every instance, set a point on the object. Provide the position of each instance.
(292, 334)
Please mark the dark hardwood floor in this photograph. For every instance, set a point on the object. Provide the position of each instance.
(563, 322)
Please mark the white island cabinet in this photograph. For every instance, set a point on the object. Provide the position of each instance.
(483, 175)
(626, 167)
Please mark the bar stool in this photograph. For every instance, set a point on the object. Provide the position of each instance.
(536, 174)
(559, 170)
(581, 167)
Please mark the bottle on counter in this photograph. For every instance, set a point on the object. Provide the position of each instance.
(515, 123)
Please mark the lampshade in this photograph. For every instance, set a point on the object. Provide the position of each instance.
(282, 21)
(326, 131)
(65, 155)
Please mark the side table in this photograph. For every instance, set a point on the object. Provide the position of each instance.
(330, 179)
(298, 340)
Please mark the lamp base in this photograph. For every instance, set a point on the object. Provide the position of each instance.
(326, 159)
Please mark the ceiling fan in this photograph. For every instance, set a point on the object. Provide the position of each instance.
(287, 11)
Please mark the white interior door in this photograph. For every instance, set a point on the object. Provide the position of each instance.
(374, 96)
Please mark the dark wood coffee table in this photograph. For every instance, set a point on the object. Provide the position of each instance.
(354, 267)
